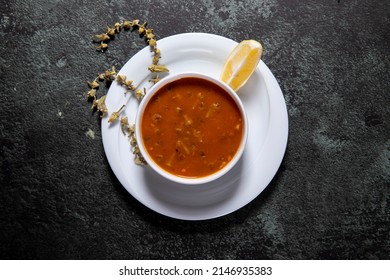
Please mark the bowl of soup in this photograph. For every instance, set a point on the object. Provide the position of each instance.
(191, 128)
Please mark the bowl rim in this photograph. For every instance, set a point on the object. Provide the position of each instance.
(181, 179)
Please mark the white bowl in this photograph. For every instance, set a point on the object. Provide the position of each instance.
(188, 180)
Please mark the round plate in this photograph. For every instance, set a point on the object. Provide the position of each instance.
(267, 136)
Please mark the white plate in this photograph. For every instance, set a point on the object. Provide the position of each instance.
(266, 145)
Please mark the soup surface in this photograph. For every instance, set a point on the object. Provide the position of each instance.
(191, 127)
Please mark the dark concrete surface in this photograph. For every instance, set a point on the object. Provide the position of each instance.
(59, 198)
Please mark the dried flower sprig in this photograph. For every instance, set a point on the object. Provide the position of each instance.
(139, 93)
(122, 79)
(111, 75)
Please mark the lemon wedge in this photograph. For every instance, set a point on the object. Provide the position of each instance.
(241, 63)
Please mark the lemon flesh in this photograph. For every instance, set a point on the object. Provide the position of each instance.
(241, 63)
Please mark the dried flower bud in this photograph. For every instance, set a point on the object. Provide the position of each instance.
(121, 78)
(137, 160)
(114, 116)
(107, 74)
(102, 37)
(100, 105)
(91, 93)
(136, 150)
(150, 36)
(100, 77)
(142, 28)
(125, 121)
(124, 125)
(158, 68)
(110, 75)
(152, 43)
(110, 31)
(129, 85)
(128, 82)
(138, 94)
(135, 22)
(99, 102)
(133, 142)
(113, 71)
(102, 46)
(155, 59)
(103, 110)
(155, 80)
(126, 24)
(117, 27)
(149, 33)
(132, 129)
(93, 84)
(157, 51)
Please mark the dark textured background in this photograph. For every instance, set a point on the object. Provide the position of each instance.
(329, 200)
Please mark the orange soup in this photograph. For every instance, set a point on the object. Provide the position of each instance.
(192, 127)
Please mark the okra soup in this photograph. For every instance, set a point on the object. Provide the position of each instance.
(192, 127)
